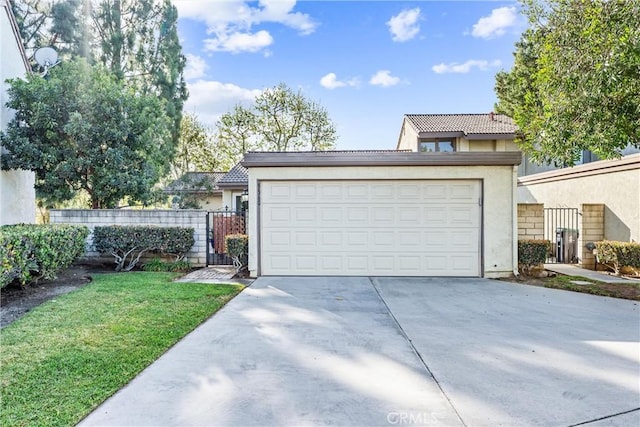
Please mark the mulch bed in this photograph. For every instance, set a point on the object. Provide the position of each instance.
(15, 300)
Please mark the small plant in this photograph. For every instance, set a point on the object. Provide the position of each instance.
(237, 248)
(158, 265)
(532, 253)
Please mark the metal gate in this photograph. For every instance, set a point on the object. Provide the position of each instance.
(220, 224)
(561, 229)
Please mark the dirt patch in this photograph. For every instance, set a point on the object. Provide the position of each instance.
(629, 291)
(15, 301)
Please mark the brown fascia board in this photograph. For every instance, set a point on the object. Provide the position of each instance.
(233, 185)
(470, 136)
(476, 136)
(440, 134)
(400, 158)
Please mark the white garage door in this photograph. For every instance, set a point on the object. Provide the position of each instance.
(370, 228)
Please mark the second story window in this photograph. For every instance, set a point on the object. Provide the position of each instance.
(436, 146)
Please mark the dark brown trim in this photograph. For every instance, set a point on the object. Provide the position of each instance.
(400, 158)
(427, 135)
(233, 185)
(488, 136)
(601, 167)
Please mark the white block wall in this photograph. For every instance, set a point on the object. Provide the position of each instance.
(91, 218)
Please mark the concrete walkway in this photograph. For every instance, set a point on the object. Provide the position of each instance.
(574, 270)
(395, 351)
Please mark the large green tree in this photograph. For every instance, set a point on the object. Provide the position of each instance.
(198, 150)
(279, 120)
(82, 130)
(137, 40)
(575, 83)
(63, 25)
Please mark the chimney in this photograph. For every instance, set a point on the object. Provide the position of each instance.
(491, 116)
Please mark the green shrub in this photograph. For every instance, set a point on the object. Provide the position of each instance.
(237, 246)
(532, 253)
(127, 244)
(617, 255)
(30, 252)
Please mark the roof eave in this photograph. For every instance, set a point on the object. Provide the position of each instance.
(476, 136)
(448, 134)
(233, 185)
(294, 159)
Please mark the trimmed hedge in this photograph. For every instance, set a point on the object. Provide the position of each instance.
(30, 252)
(617, 255)
(127, 243)
(237, 246)
(532, 253)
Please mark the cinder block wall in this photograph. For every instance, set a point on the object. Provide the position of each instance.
(161, 218)
(592, 230)
(530, 221)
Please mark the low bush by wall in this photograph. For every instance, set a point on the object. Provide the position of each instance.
(532, 253)
(30, 252)
(92, 218)
(128, 243)
(617, 255)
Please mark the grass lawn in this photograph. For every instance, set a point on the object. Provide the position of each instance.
(629, 290)
(60, 361)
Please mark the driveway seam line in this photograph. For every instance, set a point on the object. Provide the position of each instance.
(605, 417)
(417, 353)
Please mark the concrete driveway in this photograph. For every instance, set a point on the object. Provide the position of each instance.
(396, 351)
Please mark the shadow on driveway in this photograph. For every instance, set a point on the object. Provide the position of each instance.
(331, 351)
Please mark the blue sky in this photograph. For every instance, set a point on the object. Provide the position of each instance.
(366, 62)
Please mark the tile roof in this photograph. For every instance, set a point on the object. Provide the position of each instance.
(195, 182)
(237, 176)
(465, 123)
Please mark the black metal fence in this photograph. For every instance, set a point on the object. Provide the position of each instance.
(561, 228)
(220, 224)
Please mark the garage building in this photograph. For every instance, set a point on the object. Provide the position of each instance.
(382, 213)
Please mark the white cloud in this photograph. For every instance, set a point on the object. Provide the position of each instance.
(404, 26)
(465, 67)
(211, 99)
(196, 67)
(384, 78)
(495, 24)
(239, 42)
(234, 19)
(330, 81)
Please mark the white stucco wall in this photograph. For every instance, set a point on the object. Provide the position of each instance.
(616, 184)
(17, 195)
(499, 208)
(408, 139)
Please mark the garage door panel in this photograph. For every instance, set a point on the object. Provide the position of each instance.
(279, 192)
(305, 239)
(370, 228)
